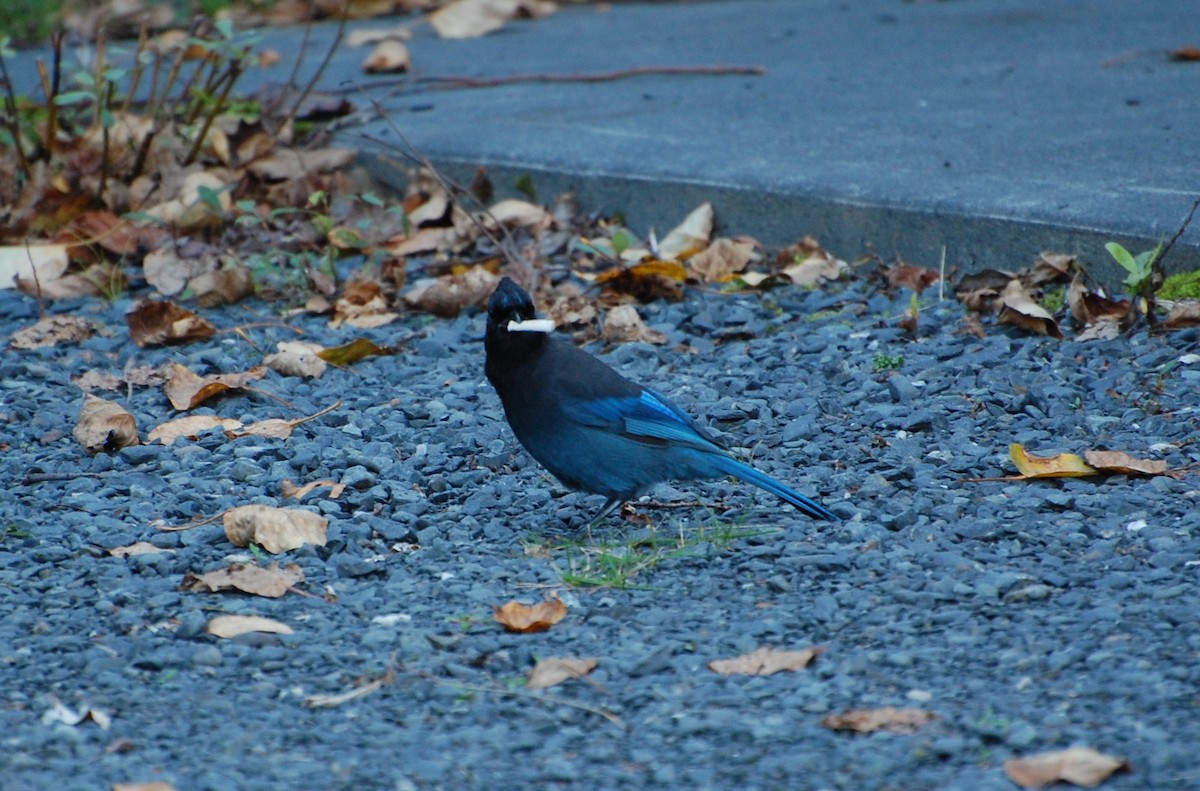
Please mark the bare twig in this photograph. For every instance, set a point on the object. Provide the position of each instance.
(1179, 231)
(11, 120)
(526, 694)
(337, 40)
(455, 81)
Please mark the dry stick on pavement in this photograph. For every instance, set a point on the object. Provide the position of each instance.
(452, 81)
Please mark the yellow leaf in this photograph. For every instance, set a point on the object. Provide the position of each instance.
(1064, 465)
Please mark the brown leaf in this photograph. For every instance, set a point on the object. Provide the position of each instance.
(765, 661)
(190, 427)
(1048, 268)
(690, 236)
(1081, 766)
(447, 296)
(20, 262)
(294, 492)
(293, 163)
(1185, 53)
(554, 670)
(474, 18)
(1100, 331)
(227, 626)
(722, 259)
(526, 618)
(623, 324)
(271, 582)
(1089, 307)
(388, 57)
(222, 287)
(153, 785)
(99, 278)
(276, 428)
(187, 391)
(519, 214)
(1064, 465)
(815, 270)
(297, 358)
(424, 240)
(274, 529)
(154, 323)
(363, 304)
(1120, 462)
(1184, 313)
(169, 272)
(52, 331)
(886, 718)
(373, 35)
(1020, 310)
(352, 352)
(911, 276)
(137, 548)
(647, 280)
(104, 426)
(980, 290)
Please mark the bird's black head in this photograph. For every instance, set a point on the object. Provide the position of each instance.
(509, 302)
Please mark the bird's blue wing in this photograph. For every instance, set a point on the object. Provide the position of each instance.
(648, 418)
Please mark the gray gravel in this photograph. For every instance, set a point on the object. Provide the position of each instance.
(1028, 616)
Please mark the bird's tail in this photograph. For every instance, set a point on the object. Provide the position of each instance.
(748, 474)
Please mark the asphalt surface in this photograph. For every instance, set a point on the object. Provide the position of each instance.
(992, 129)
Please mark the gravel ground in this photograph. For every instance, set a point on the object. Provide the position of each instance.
(1027, 616)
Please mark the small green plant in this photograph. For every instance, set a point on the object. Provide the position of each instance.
(1139, 268)
(11, 530)
(887, 362)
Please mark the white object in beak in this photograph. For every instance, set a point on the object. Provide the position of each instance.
(531, 325)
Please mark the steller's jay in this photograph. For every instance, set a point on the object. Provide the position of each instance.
(591, 427)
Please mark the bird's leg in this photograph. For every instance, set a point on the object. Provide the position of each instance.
(613, 504)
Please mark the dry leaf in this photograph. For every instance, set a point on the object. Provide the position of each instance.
(99, 278)
(274, 529)
(222, 287)
(296, 358)
(816, 269)
(271, 581)
(52, 331)
(21, 262)
(647, 281)
(228, 626)
(425, 240)
(153, 785)
(1020, 310)
(526, 618)
(1049, 268)
(474, 18)
(722, 259)
(153, 323)
(553, 671)
(911, 276)
(187, 391)
(104, 426)
(519, 214)
(1090, 308)
(363, 304)
(886, 718)
(294, 492)
(388, 56)
(623, 324)
(137, 548)
(1121, 462)
(374, 35)
(690, 236)
(980, 290)
(276, 428)
(765, 661)
(1185, 53)
(1100, 331)
(1064, 465)
(1081, 766)
(1184, 313)
(349, 353)
(448, 296)
(191, 427)
(169, 273)
(293, 163)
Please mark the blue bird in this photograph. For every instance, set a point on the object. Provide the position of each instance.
(595, 430)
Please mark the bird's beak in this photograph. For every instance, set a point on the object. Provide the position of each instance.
(531, 325)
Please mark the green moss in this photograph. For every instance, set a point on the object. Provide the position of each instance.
(1185, 285)
(1053, 300)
